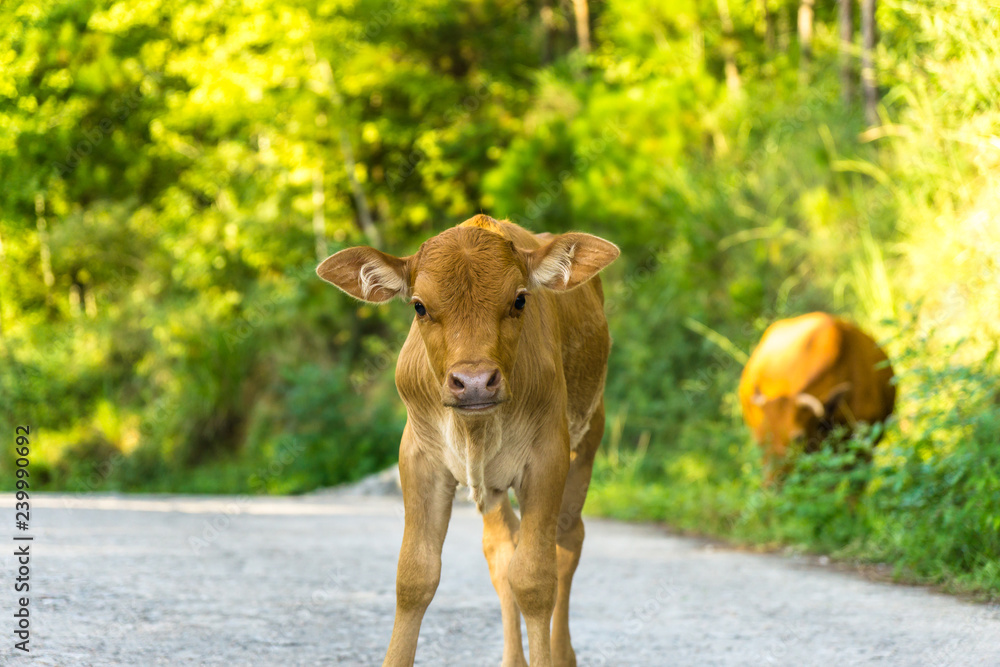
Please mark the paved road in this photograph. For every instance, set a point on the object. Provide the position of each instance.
(153, 580)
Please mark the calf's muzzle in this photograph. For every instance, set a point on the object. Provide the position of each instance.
(474, 386)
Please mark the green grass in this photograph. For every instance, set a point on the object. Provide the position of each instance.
(928, 505)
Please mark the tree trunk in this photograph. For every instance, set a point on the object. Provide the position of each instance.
(75, 300)
(698, 42)
(784, 28)
(582, 12)
(769, 29)
(319, 214)
(2, 258)
(846, 21)
(548, 28)
(729, 47)
(360, 201)
(43, 247)
(89, 302)
(805, 36)
(357, 191)
(868, 39)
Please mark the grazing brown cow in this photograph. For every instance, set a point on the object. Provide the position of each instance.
(503, 380)
(807, 375)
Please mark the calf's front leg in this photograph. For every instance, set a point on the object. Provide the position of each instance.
(427, 500)
(532, 571)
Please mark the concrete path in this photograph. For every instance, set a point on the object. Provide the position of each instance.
(154, 580)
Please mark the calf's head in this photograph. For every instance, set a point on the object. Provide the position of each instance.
(471, 288)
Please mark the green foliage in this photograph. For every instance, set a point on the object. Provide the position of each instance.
(924, 499)
(174, 171)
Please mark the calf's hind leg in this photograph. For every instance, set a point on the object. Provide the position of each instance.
(569, 535)
(500, 526)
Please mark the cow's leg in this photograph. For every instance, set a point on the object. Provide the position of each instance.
(569, 535)
(500, 526)
(532, 571)
(427, 497)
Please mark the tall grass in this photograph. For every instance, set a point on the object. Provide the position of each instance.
(919, 265)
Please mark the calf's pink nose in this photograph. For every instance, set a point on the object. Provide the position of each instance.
(475, 385)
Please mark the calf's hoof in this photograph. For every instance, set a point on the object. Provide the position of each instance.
(516, 661)
(565, 659)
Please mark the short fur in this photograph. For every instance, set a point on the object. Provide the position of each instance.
(807, 375)
(538, 439)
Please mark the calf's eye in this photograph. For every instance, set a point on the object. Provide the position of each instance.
(419, 307)
(519, 302)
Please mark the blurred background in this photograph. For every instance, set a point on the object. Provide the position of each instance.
(171, 173)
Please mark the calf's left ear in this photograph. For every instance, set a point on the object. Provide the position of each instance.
(367, 274)
(569, 260)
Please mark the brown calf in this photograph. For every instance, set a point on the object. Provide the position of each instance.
(503, 379)
(807, 375)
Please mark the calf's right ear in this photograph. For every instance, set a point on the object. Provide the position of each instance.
(367, 274)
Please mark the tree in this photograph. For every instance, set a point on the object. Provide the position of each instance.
(769, 28)
(729, 47)
(868, 80)
(2, 266)
(350, 165)
(547, 18)
(582, 12)
(806, 12)
(846, 22)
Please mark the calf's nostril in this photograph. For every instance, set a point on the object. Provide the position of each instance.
(475, 386)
